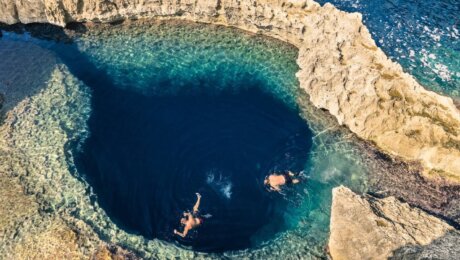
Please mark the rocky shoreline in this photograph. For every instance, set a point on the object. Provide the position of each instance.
(411, 135)
(365, 227)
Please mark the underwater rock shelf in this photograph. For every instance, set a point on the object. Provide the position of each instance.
(407, 137)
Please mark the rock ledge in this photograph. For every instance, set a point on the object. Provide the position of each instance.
(364, 227)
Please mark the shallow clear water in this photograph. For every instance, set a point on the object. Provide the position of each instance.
(423, 36)
(224, 103)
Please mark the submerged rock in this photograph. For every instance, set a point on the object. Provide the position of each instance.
(364, 227)
(342, 69)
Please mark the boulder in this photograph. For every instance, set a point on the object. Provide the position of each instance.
(365, 227)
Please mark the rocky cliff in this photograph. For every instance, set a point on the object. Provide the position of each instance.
(364, 227)
(342, 69)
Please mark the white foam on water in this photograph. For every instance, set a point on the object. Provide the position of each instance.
(430, 60)
(221, 183)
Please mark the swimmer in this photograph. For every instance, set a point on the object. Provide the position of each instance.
(275, 181)
(191, 220)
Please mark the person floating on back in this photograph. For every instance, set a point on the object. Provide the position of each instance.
(275, 181)
(191, 220)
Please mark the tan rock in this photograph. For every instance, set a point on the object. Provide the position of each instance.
(112, 252)
(15, 206)
(363, 227)
(342, 69)
(56, 241)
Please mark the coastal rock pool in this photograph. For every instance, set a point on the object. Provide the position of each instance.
(147, 156)
(154, 112)
(175, 116)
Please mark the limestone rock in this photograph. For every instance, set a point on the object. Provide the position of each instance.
(445, 247)
(364, 227)
(112, 252)
(15, 206)
(56, 241)
(342, 69)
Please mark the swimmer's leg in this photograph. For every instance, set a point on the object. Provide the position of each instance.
(197, 204)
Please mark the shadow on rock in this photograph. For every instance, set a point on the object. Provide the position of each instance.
(445, 247)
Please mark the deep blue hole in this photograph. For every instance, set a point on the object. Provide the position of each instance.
(147, 156)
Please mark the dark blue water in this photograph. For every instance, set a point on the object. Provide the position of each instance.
(148, 155)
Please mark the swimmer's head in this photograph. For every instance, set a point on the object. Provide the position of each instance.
(266, 181)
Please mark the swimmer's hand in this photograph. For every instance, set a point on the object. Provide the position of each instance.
(198, 195)
(175, 232)
(275, 188)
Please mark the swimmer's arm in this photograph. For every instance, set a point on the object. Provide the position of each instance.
(183, 234)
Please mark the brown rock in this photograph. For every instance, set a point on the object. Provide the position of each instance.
(15, 206)
(364, 227)
(112, 252)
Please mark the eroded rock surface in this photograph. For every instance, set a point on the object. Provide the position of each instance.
(364, 227)
(342, 69)
(445, 247)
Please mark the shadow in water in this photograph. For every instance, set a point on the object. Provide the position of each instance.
(25, 64)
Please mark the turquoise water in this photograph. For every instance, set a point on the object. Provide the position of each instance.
(131, 70)
(423, 36)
